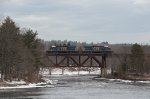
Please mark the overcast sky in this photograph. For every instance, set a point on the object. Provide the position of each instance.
(115, 21)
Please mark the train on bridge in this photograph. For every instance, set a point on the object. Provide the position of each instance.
(84, 49)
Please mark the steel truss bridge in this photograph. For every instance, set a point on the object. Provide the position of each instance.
(64, 56)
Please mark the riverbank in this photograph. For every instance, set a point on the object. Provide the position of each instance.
(48, 82)
(23, 84)
(128, 81)
(133, 77)
(138, 78)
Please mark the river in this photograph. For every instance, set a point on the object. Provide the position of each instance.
(82, 87)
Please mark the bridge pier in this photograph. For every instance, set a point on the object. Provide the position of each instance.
(103, 68)
(63, 71)
(103, 72)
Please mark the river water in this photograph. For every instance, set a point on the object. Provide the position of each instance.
(82, 87)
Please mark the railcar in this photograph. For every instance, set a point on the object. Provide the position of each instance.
(86, 49)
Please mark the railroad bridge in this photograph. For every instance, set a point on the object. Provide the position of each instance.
(70, 56)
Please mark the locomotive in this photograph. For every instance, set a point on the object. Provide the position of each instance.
(84, 49)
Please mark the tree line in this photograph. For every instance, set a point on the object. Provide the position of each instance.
(130, 59)
(20, 52)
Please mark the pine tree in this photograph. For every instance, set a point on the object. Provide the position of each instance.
(9, 36)
(137, 58)
(32, 44)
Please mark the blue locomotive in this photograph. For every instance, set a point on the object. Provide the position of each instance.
(87, 49)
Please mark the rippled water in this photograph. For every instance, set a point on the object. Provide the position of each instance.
(82, 87)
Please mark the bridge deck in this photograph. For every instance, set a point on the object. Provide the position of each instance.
(81, 53)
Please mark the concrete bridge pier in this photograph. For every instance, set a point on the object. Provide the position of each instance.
(103, 68)
(103, 72)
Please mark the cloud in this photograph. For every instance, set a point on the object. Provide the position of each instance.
(142, 2)
(32, 18)
(142, 5)
(88, 20)
(3, 1)
(12, 2)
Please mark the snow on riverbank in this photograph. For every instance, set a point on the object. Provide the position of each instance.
(51, 83)
(47, 83)
(16, 82)
(122, 81)
(23, 84)
(57, 71)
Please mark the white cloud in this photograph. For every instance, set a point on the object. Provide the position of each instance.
(14, 2)
(88, 20)
(141, 6)
(32, 18)
(17, 2)
(3, 1)
(142, 3)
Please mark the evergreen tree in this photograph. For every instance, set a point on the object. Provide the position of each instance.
(20, 53)
(137, 58)
(9, 36)
(33, 46)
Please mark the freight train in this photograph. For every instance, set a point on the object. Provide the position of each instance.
(84, 49)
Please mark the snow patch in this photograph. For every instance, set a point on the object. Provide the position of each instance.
(114, 80)
(122, 81)
(27, 86)
(146, 82)
(23, 84)
(16, 82)
(57, 71)
(52, 82)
